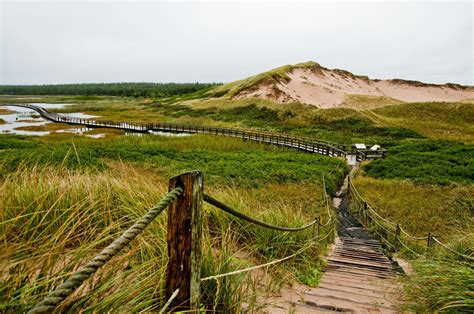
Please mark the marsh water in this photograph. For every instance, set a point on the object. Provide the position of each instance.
(18, 117)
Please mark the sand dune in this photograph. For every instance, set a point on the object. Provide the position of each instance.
(328, 88)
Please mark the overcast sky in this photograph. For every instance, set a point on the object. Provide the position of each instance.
(154, 41)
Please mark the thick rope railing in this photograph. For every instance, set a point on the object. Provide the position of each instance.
(451, 250)
(352, 188)
(228, 209)
(236, 213)
(380, 217)
(412, 237)
(326, 200)
(409, 249)
(58, 295)
(240, 271)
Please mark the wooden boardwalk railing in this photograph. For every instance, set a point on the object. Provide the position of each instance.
(302, 143)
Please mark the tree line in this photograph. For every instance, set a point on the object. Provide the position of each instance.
(108, 89)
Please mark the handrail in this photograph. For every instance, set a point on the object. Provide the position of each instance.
(451, 250)
(326, 199)
(412, 237)
(352, 187)
(209, 199)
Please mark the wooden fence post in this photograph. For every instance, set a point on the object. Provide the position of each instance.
(184, 242)
(349, 186)
(397, 238)
(318, 227)
(429, 243)
(367, 217)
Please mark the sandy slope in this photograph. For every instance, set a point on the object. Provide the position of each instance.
(327, 88)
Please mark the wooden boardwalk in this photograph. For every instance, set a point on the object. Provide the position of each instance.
(358, 276)
(309, 145)
(358, 279)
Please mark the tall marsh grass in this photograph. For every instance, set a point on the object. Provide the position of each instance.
(443, 282)
(54, 219)
(445, 211)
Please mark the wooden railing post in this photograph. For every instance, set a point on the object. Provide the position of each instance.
(184, 242)
(397, 238)
(349, 186)
(429, 244)
(319, 226)
(366, 205)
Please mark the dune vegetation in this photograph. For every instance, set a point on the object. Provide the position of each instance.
(442, 283)
(277, 74)
(446, 121)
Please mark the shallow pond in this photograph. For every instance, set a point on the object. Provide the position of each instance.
(19, 117)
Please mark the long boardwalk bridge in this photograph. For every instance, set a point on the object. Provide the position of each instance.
(358, 277)
(302, 143)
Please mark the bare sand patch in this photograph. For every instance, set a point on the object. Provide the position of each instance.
(328, 88)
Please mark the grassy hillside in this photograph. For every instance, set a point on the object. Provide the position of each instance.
(275, 75)
(449, 121)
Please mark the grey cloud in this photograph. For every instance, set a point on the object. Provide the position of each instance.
(54, 42)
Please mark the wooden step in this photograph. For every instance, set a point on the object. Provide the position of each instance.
(372, 292)
(378, 266)
(310, 308)
(357, 280)
(347, 284)
(380, 300)
(358, 249)
(335, 265)
(362, 258)
(355, 240)
(344, 303)
(360, 242)
(357, 271)
(365, 264)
